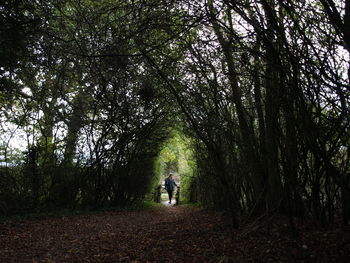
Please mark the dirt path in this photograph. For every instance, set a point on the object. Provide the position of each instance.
(167, 234)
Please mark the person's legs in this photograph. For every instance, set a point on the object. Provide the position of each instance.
(170, 194)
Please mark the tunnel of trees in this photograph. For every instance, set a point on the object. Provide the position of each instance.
(256, 93)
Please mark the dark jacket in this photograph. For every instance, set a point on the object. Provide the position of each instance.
(170, 184)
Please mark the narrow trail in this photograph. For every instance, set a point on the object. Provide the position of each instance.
(166, 234)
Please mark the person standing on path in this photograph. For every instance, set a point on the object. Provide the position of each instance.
(169, 186)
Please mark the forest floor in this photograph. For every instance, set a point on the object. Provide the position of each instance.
(166, 234)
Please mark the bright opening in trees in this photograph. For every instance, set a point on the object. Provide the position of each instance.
(177, 158)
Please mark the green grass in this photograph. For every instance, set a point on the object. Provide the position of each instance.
(164, 197)
(142, 205)
(136, 206)
(191, 205)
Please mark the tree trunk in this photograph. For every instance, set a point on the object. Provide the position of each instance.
(247, 140)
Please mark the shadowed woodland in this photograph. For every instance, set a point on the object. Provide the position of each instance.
(247, 102)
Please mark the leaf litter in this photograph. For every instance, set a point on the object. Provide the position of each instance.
(168, 234)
